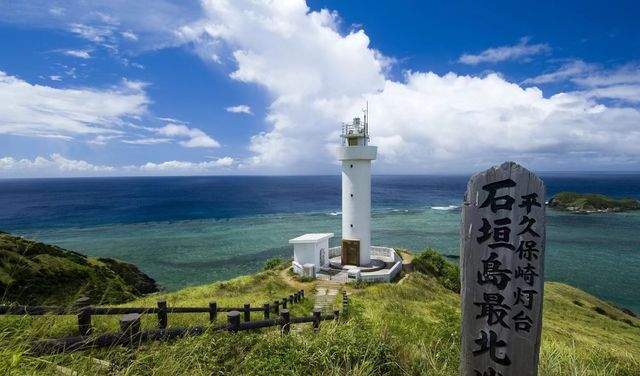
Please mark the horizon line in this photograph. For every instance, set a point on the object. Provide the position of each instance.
(605, 172)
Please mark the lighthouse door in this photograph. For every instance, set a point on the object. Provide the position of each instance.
(350, 252)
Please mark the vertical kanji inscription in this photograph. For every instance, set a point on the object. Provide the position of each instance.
(502, 270)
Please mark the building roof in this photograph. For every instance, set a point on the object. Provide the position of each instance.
(311, 238)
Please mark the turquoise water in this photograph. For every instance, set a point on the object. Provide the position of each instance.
(593, 252)
(194, 230)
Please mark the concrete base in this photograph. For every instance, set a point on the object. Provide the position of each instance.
(375, 264)
(384, 266)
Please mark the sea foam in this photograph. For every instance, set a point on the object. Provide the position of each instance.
(450, 207)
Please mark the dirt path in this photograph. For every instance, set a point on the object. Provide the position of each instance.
(284, 275)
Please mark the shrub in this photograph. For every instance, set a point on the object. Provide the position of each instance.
(600, 310)
(430, 262)
(272, 263)
(359, 284)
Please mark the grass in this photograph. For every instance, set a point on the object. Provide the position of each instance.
(410, 328)
(38, 274)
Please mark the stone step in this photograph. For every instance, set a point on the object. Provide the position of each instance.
(326, 295)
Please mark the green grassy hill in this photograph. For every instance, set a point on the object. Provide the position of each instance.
(406, 328)
(39, 274)
(591, 202)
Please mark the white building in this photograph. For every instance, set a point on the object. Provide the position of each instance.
(310, 251)
(356, 156)
(355, 258)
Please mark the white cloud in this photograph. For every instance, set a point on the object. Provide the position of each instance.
(129, 35)
(424, 123)
(497, 54)
(42, 111)
(628, 74)
(93, 33)
(196, 137)
(55, 78)
(102, 140)
(568, 70)
(627, 93)
(591, 75)
(111, 24)
(82, 54)
(461, 122)
(56, 11)
(173, 166)
(147, 141)
(240, 109)
(57, 165)
(77, 114)
(620, 83)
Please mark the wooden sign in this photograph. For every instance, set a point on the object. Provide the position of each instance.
(502, 269)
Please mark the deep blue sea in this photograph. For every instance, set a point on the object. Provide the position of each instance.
(192, 230)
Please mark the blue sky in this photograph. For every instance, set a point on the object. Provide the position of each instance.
(260, 87)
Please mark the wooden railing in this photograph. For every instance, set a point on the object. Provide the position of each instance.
(84, 311)
(132, 335)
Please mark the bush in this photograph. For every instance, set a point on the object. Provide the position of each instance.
(272, 263)
(600, 310)
(359, 284)
(430, 262)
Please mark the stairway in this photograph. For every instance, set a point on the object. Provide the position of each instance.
(326, 294)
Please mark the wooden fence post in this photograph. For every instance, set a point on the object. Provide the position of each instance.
(130, 328)
(336, 315)
(284, 327)
(284, 303)
(316, 318)
(267, 308)
(247, 312)
(291, 299)
(302, 293)
(502, 253)
(213, 311)
(233, 318)
(162, 314)
(81, 306)
(276, 304)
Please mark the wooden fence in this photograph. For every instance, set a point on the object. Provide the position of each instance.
(130, 327)
(131, 334)
(84, 311)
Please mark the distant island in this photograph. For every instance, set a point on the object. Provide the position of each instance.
(38, 273)
(591, 203)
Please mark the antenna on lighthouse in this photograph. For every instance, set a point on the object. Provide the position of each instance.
(366, 120)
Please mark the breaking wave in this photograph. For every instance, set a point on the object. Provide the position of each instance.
(450, 207)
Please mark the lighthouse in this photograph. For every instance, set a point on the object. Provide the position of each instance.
(356, 155)
(355, 259)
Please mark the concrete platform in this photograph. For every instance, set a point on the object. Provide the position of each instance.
(385, 265)
(375, 265)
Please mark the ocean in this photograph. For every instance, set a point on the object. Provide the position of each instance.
(185, 231)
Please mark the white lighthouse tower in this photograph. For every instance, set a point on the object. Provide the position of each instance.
(355, 259)
(356, 155)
